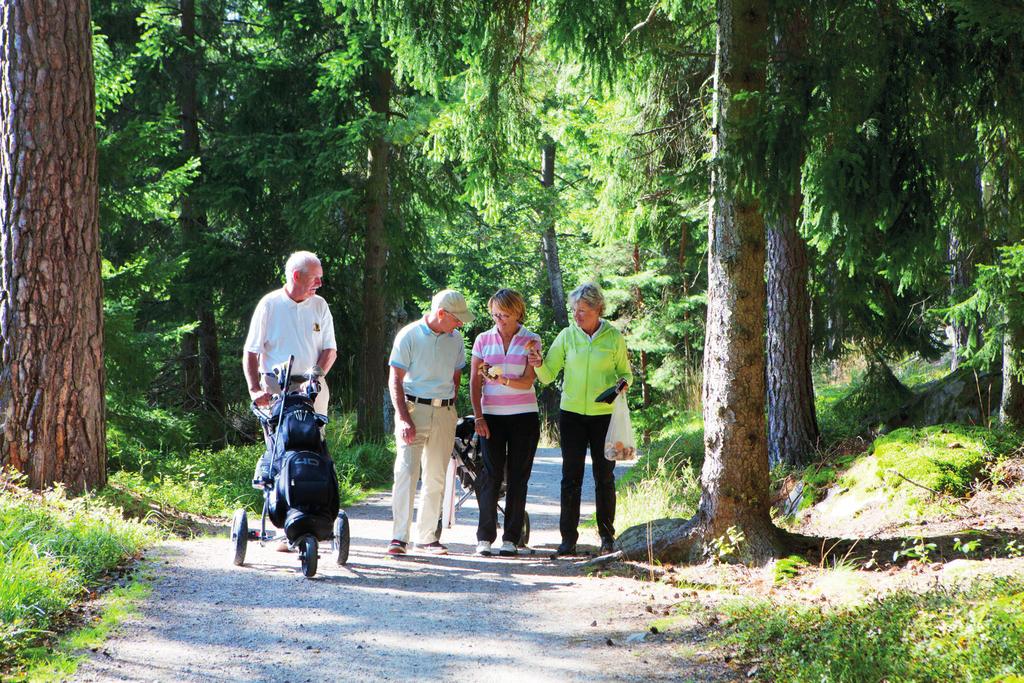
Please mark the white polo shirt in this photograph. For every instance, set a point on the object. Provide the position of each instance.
(429, 360)
(281, 327)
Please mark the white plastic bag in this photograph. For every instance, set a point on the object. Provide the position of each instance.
(619, 443)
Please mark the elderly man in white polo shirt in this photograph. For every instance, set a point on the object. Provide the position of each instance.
(291, 321)
(426, 366)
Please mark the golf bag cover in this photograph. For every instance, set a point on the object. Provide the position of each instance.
(304, 499)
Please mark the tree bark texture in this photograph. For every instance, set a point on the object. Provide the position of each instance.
(734, 480)
(52, 412)
(638, 297)
(962, 239)
(792, 423)
(1011, 408)
(373, 365)
(194, 227)
(550, 242)
(550, 396)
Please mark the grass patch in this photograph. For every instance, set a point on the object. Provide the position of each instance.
(973, 634)
(54, 549)
(60, 663)
(665, 482)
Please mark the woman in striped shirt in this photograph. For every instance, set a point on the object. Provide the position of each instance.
(505, 408)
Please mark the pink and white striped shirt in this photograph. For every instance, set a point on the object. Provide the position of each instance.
(497, 399)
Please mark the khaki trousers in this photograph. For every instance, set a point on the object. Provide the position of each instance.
(428, 455)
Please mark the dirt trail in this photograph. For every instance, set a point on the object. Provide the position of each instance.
(382, 618)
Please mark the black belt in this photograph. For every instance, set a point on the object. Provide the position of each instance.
(442, 402)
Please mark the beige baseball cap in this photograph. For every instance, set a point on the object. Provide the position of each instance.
(454, 303)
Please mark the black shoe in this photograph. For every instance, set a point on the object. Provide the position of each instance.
(607, 547)
(565, 549)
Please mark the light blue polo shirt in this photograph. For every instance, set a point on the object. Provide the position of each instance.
(429, 360)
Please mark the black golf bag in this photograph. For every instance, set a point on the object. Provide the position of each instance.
(304, 497)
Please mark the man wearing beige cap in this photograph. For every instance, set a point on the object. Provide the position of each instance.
(426, 366)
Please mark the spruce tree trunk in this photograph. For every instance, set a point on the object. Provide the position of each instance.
(550, 396)
(792, 423)
(1011, 407)
(193, 229)
(734, 480)
(373, 365)
(638, 297)
(52, 412)
(549, 241)
(962, 239)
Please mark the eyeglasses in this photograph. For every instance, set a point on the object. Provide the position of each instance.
(500, 316)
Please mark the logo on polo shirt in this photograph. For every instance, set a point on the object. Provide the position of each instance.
(316, 327)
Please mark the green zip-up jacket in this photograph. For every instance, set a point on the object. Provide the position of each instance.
(590, 367)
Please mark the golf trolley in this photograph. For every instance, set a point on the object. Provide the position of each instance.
(467, 461)
(296, 476)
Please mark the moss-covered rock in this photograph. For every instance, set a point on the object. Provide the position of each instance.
(944, 458)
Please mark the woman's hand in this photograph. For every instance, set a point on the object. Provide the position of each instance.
(481, 428)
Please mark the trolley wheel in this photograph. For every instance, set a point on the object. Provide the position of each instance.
(342, 537)
(524, 535)
(240, 535)
(309, 554)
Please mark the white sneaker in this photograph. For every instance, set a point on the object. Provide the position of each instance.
(508, 549)
(483, 548)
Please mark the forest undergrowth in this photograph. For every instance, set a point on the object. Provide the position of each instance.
(923, 614)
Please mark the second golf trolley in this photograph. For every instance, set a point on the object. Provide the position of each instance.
(297, 478)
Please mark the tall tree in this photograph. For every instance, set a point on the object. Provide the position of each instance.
(549, 240)
(372, 371)
(201, 352)
(734, 479)
(52, 411)
(792, 424)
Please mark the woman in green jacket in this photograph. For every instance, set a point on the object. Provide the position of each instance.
(592, 354)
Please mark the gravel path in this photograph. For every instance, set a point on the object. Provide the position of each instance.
(455, 617)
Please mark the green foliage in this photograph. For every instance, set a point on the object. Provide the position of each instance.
(916, 549)
(964, 635)
(788, 568)
(727, 547)
(862, 407)
(52, 549)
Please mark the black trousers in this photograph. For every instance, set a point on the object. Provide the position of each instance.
(576, 433)
(512, 445)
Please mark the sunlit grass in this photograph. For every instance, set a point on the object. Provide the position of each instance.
(941, 635)
(52, 549)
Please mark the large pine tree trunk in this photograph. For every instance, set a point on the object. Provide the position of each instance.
(734, 480)
(193, 230)
(792, 423)
(52, 414)
(373, 365)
